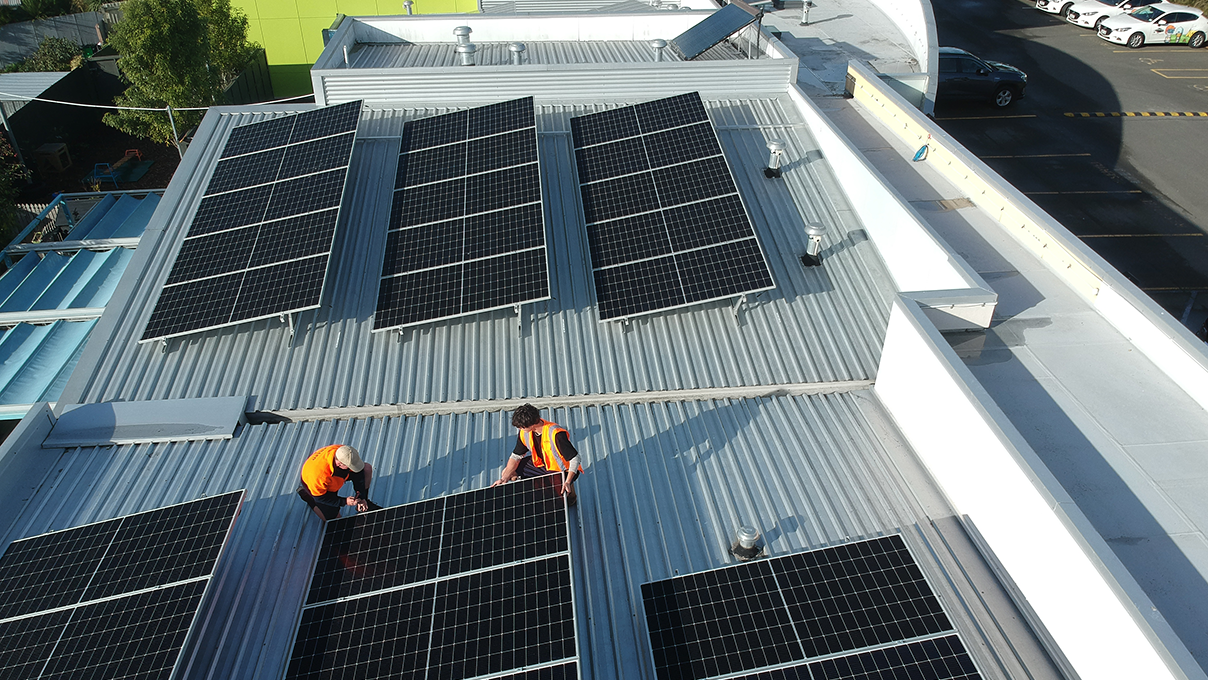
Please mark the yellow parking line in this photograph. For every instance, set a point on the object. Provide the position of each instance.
(1041, 155)
(1063, 193)
(1030, 115)
(1136, 235)
(1163, 71)
(1137, 114)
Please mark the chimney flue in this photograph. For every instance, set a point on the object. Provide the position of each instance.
(775, 153)
(463, 34)
(466, 52)
(813, 250)
(657, 45)
(746, 544)
(407, 6)
(517, 49)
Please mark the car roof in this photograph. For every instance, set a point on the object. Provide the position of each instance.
(1174, 7)
(956, 50)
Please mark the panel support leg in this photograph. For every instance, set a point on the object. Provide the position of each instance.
(738, 303)
(163, 346)
(519, 320)
(289, 318)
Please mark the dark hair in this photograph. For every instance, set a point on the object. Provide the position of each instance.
(526, 416)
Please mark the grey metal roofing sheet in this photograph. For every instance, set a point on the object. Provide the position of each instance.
(665, 487)
(18, 88)
(820, 324)
(419, 55)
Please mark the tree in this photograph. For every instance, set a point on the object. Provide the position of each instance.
(178, 53)
(12, 178)
(53, 54)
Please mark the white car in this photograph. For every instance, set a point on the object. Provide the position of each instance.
(1054, 6)
(1160, 23)
(1091, 13)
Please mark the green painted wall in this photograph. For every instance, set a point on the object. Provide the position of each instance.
(291, 31)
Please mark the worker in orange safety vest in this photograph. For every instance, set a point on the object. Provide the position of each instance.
(541, 447)
(326, 471)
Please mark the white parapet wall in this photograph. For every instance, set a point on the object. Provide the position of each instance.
(1097, 614)
(1170, 346)
(916, 20)
(921, 264)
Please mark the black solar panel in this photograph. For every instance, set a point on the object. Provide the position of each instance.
(494, 621)
(467, 232)
(124, 592)
(562, 671)
(803, 606)
(289, 167)
(718, 622)
(894, 601)
(720, 25)
(654, 182)
(492, 589)
(942, 658)
(52, 570)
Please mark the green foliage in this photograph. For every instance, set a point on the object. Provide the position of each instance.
(41, 9)
(178, 53)
(53, 54)
(13, 176)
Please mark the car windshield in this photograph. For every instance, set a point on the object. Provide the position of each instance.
(1148, 13)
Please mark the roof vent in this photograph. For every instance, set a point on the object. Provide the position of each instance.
(517, 50)
(776, 151)
(658, 44)
(463, 34)
(466, 52)
(407, 6)
(813, 251)
(746, 543)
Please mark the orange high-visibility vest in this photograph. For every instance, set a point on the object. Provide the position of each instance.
(549, 457)
(318, 472)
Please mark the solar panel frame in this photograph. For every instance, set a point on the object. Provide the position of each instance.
(884, 552)
(314, 153)
(681, 175)
(500, 178)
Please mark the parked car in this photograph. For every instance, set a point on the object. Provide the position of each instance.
(965, 76)
(1091, 13)
(1161, 23)
(1054, 6)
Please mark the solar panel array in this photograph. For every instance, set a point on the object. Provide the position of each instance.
(718, 26)
(463, 586)
(110, 599)
(665, 223)
(260, 241)
(834, 613)
(467, 232)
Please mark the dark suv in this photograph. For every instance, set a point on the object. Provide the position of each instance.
(964, 76)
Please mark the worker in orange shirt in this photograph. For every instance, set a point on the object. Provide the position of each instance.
(542, 447)
(326, 471)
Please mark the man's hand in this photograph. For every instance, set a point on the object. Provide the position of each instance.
(351, 500)
(497, 482)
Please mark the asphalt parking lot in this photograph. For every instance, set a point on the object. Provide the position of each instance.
(1087, 143)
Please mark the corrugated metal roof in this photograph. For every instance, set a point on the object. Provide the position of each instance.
(819, 324)
(665, 487)
(18, 88)
(419, 55)
(37, 360)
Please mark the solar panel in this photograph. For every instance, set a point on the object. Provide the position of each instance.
(272, 200)
(467, 232)
(111, 599)
(781, 611)
(942, 658)
(465, 585)
(718, 26)
(665, 223)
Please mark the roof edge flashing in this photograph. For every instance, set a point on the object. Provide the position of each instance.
(146, 422)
